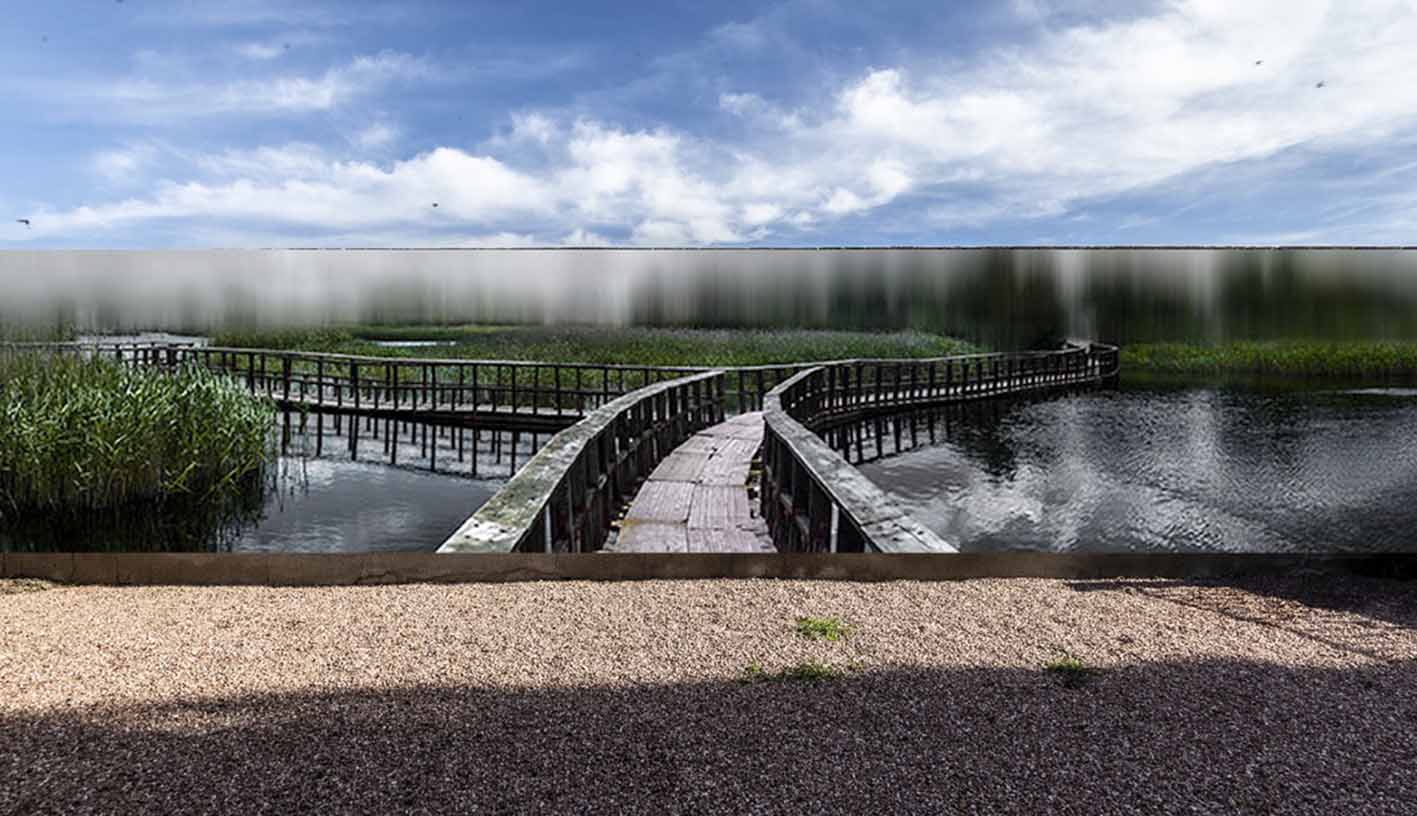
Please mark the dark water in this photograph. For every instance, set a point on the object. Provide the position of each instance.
(403, 486)
(1159, 468)
(337, 505)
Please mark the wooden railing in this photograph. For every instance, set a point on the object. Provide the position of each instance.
(356, 383)
(345, 382)
(815, 501)
(565, 498)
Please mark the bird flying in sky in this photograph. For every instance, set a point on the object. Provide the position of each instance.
(24, 221)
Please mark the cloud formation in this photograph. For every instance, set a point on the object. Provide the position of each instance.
(1074, 115)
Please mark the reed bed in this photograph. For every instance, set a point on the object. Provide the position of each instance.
(85, 435)
(1306, 358)
(605, 345)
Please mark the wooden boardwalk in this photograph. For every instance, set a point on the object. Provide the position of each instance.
(696, 500)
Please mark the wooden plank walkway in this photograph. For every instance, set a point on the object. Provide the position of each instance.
(696, 500)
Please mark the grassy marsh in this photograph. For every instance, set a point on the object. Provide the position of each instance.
(1307, 358)
(605, 345)
(81, 436)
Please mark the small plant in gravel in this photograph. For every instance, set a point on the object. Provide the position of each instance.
(754, 673)
(1070, 668)
(808, 671)
(822, 628)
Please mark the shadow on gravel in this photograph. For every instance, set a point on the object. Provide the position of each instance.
(1378, 607)
(1170, 737)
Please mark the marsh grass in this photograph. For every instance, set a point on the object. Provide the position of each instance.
(1308, 358)
(607, 346)
(36, 332)
(84, 436)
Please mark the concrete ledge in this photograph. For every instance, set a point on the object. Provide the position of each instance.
(295, 569)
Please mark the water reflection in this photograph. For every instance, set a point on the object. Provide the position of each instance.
(438, 448)
(1157, 469)
(363, 484)
(336, 505)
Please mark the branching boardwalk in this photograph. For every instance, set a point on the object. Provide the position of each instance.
(696, 500)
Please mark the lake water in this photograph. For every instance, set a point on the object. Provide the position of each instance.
(1159, 468)
(403, 486)
(337, 505)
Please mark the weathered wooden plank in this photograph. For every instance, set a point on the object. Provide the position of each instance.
(735, 429)
(733, 539)
(719, 507)
(700, 443)
(680, 466)
(730, 463)
(697, 498)
(665, 502)
(648, 536)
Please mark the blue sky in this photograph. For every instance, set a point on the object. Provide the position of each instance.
(150, 124)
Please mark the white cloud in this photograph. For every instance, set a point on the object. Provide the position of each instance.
(123, 165)
(1105, 108)
(581, 237)
(259, 50)
(297, 186)
(500, 240)
(533, 127)
(294, 160)
(741, 104)
(758, 214)
(745, 36)
(150, 99)
(378, 134)
(1084, 112)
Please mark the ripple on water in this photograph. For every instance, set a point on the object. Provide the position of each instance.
(1190, 469)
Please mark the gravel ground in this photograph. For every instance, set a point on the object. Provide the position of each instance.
(1292, 695)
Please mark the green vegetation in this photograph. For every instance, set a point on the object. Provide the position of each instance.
(822, 628)
(810, 672)
(1070, 668)
(603, 345)
(333, 341)
(81, 436)
(1281, 357)
(35, 332)
(755, 673)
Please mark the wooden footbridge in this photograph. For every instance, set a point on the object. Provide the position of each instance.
(645, 458)
(697, 499)
(661, 453)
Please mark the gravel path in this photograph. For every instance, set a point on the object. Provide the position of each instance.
(1273, 696)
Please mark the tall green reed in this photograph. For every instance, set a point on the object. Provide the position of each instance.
(83, 435)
